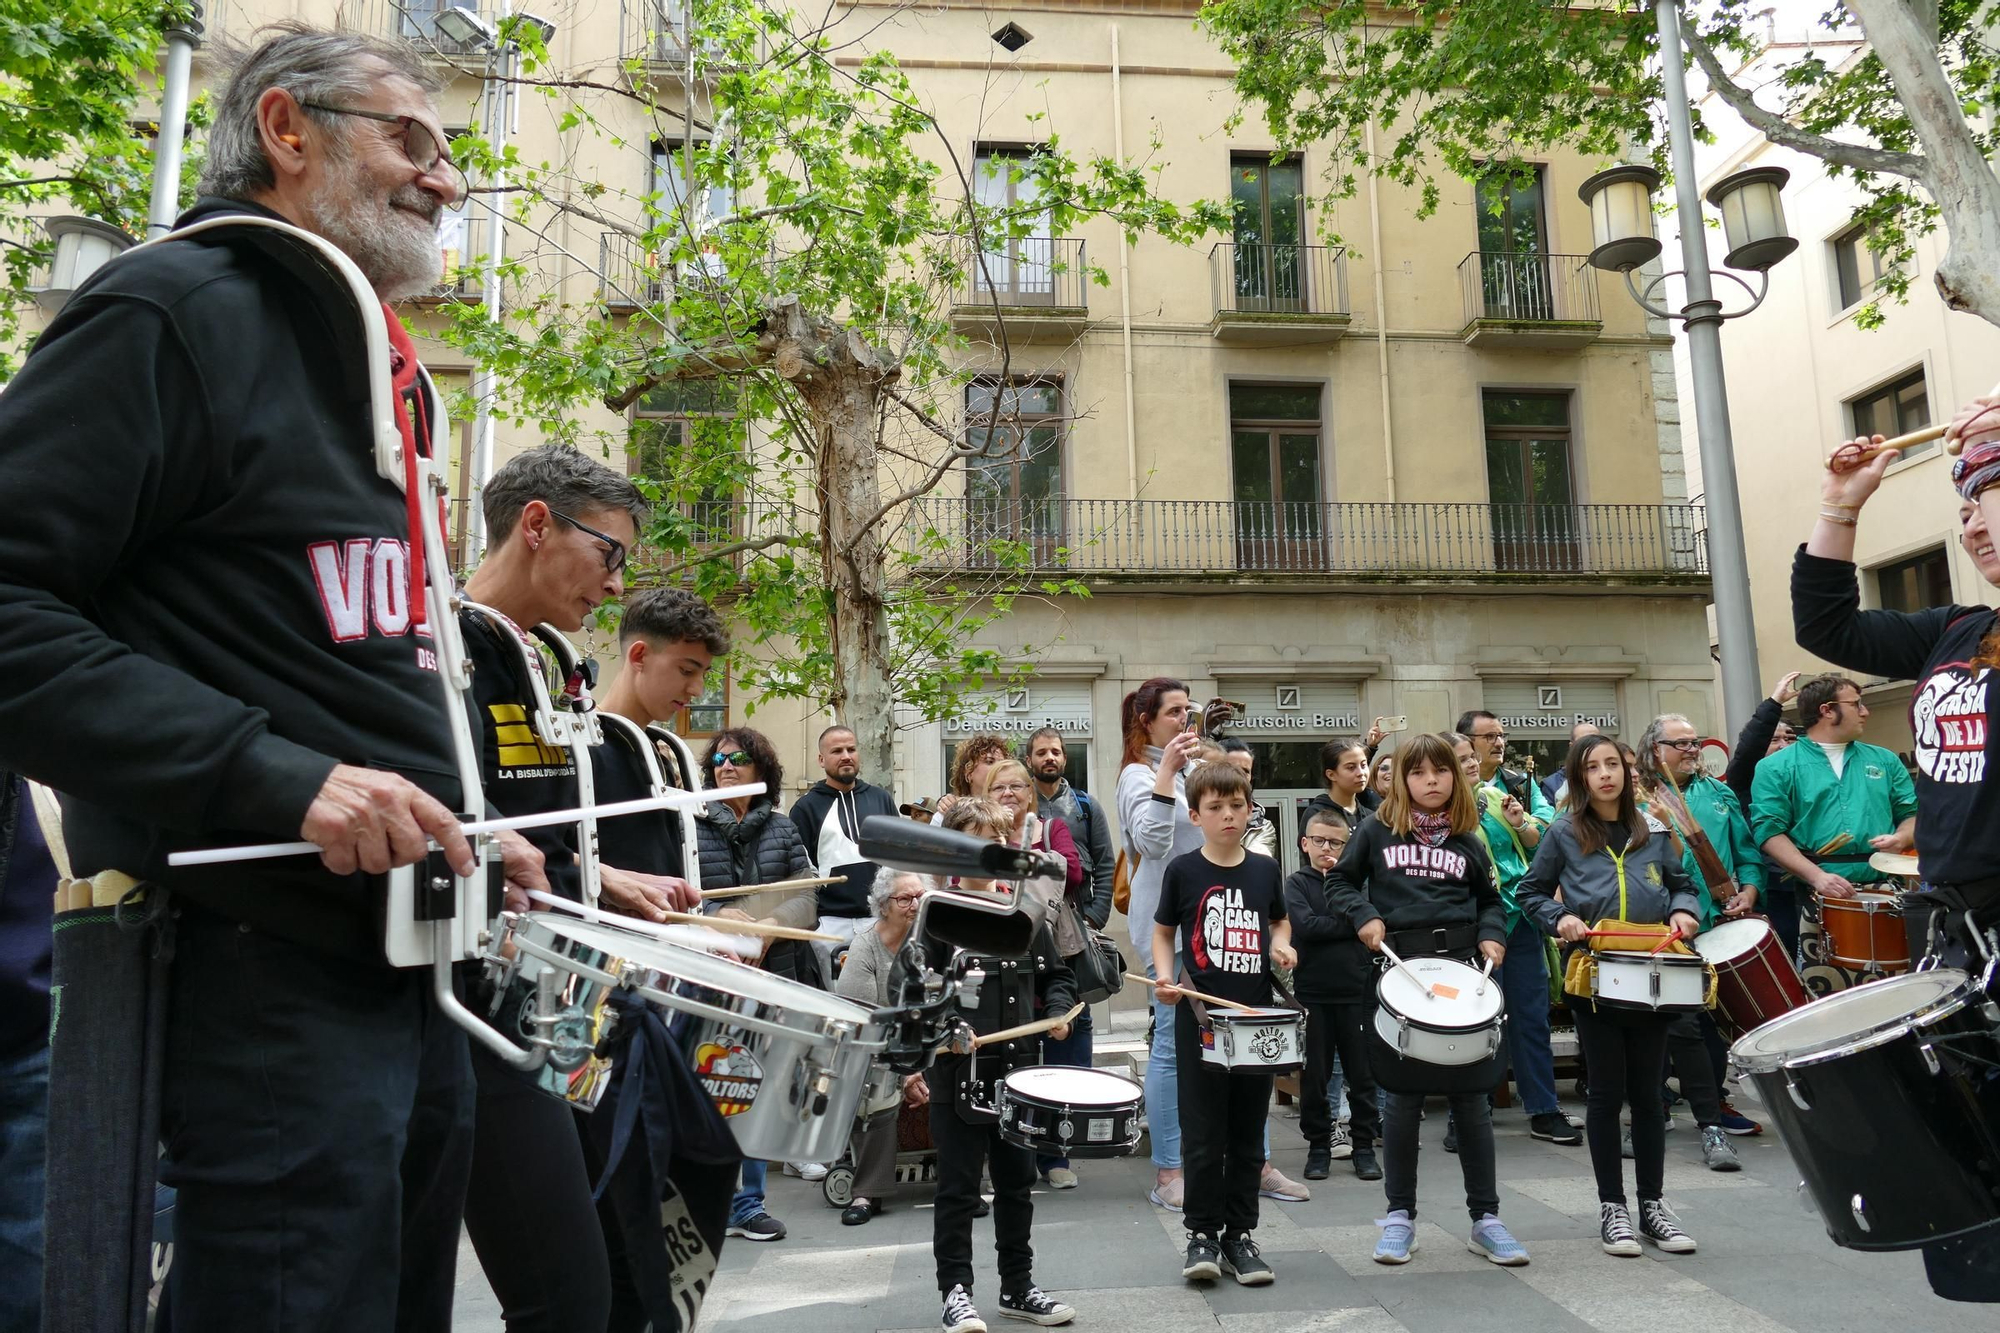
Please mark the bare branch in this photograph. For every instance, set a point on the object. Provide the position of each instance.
(725, 552)
(1787, 135)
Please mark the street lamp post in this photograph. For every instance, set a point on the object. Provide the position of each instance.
(182, 36)
(1622, 229)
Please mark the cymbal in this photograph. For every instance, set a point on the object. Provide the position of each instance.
(1894, 863)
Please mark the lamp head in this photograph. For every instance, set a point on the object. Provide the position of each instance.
(1621, 217)
(1753, 217)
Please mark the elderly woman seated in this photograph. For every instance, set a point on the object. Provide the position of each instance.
(864, 978)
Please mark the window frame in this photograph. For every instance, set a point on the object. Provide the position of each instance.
(1854, 238)
(1931, 565)
(1889, 391)
(682, 718)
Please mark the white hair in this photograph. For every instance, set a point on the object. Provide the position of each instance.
(884, 886)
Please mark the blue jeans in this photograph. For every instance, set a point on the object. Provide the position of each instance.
(24, 1124)
(1071, 1050)
(1163, 1107)
(749, 1200)
(1524, 980)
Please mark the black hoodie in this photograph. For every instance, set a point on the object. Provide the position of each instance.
(203, 590)
(829, 823)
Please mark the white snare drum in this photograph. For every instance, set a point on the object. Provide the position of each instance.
(1255, 1041)
(1077, 1112)
(1439, 1011)
(1668, 982)
(786, 1064)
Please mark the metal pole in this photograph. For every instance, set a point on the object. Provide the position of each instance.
(483, 379)
(166, 201)
(1728, 564)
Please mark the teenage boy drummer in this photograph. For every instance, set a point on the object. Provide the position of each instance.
(1228, 908)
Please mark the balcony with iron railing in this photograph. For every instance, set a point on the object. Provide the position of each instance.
(1036, 285)
(1112, 540)
(1277, 295)
(1526, 299)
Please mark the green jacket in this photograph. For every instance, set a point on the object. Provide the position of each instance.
(1795, 793)
(1721, 817)
(1510, 856)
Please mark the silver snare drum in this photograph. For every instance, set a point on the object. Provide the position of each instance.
(785, 1064)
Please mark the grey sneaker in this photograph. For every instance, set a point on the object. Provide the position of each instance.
(1717, 1153)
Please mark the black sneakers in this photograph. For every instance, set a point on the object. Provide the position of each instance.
(1241, 1260)
(1203, 1258)
(1365, 1165)
(1553, 1127)
(1658, 1225)
(1034, 1307)
(960, 1315)
(1319, 1162)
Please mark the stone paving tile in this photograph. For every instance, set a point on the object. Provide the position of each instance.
(1649, 1291)
(1439, 1250)
(1358, 1319)
(1476, 1303)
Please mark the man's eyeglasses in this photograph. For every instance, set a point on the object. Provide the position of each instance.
(421, 146)
(1325, 844)
(614, 555)
(1489, 735)
(1687, 746)
(734, 758)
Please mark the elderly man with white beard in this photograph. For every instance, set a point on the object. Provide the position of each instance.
(211, 635)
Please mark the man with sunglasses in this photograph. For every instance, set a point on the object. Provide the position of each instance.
(211, 637)
(560, 525)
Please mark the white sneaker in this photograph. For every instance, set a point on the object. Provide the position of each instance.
(812, 1171)
(1062, 1178)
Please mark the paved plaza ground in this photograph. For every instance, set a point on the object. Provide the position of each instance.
(1764, 1264)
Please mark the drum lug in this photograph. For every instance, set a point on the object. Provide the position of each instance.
(1798, 1096)
(1402, 1034)
(1930, 1057)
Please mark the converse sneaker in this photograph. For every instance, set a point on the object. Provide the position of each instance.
(1242, 1261)
(1034, 1307)
(1614, 1229)
(1399, 1239)
(1716, 1152)
(1340, 1145)
(1204, 1258)
(1658, 1224)
(960, 1315)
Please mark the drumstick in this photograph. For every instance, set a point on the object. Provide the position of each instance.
(1429, 994)
(1484, 973)
(1027, 1029)
(680, 800)
(693, 937)
(1834, 844)
(1194, 994)
(1671, 936)
(714, 895)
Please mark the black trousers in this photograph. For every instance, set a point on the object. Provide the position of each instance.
(1222, 1135)
(962, 1149)
(1339, 1028)
(1688, 1049)
(1627, 1054)
(317, 1115)
(529, 1210)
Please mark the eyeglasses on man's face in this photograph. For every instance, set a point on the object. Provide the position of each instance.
(420, 145)
(1688, 746)
(614, 550)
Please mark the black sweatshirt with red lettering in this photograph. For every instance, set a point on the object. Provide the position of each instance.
(204, 599)
(1958, 802)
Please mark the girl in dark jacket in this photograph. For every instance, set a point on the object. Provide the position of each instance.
(742, 842)
(1606, 861)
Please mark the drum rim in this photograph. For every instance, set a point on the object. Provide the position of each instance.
(1088, 1071)
(1953, 1000)
(1395, 1016)
(1761, 926)
(1628, 957)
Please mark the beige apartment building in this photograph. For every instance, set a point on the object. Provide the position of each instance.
(1803, 376)
(1433, 465)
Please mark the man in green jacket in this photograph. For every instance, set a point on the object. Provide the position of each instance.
(1697, 808)
(1818, 808)
(1670, 762)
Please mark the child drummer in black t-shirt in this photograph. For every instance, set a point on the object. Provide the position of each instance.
(1229, 909)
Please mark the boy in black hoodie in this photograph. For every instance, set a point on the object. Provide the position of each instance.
(1335, 980)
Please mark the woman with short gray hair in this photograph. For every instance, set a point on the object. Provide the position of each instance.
(864, 979)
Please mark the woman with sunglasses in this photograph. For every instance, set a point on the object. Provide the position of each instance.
(742, 842)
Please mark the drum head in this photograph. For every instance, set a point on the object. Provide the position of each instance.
(1895, 863)
(1073, 1085)
(1857, 1018)
(1444, 993)
(679, 962)
(1731, 939)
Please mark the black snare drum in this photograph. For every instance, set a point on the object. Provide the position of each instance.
(1071, 1111)
(1887, 1096)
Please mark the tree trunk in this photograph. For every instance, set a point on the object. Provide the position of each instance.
(1958, 177)
(842, 380)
